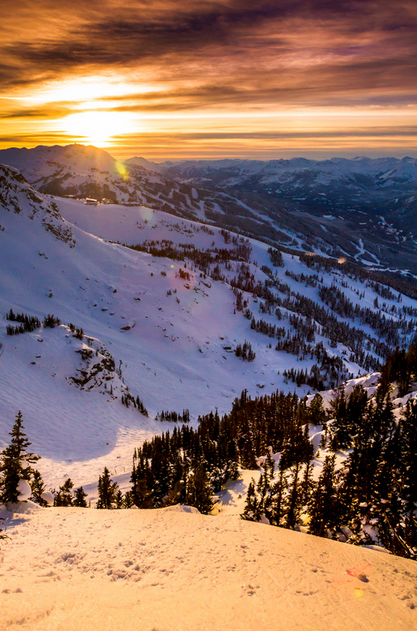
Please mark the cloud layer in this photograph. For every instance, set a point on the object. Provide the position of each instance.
(222, 56)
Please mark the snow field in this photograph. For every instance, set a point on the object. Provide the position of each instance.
(174, 569)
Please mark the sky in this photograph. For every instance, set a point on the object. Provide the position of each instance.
(166, 79)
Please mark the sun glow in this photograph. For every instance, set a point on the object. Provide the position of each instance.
(81, 89)
(97, 128)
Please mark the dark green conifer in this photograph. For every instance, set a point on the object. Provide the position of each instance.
(15, 463)
(107, 490)
(80, 497)
(128, 500)
(64, 497)
(199, 493)
(119, 499)
(323, 503)
(251, 511)
(38, 487)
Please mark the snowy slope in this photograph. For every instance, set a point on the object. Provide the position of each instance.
(159, 328)
(170, 339)
(356, 193)
(177, 570)
(170, 347)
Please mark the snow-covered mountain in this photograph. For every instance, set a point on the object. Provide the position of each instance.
(368, 195)
(163, 323)
(362, 209)
(324, 171)
(85, 171)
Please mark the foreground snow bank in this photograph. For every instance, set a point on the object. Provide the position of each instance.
(71, 568)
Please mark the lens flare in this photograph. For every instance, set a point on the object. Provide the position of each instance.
(122, 171)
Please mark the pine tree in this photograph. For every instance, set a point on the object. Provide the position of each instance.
(38, 487)
(64, 497)
(15, 463)
(251, 511)
(142, 497)
(317, 413)
(80, 498)
(294, 499)
(260, 500)
(119, 499)
(323, 504)
(277, 509)
(128, 500)
(107, 490)
(199, 492)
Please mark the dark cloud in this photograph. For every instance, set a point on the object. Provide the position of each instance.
(334, 86)
(188, 39)
(37, 139)
(178, 137)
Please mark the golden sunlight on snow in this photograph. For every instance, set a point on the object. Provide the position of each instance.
(174, 569)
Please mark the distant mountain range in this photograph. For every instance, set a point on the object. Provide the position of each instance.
(364, 210)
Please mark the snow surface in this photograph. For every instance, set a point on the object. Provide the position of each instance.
(174, 569)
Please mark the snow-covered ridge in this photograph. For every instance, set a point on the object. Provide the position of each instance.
(287, 202)
(85, 171)
(17, 196)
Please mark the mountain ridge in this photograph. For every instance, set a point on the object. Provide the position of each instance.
(363, 209)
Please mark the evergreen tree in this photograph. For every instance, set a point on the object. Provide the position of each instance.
(128, 500)
(64, 497)
(199, 492)
(176, 494)
(317, 412)
(80, 497)
(119, 499)
(346, 412)
(38, 487)
(279, 490)
(15, 463)
(107, 490)
(323, 503)
(251, 511)
(294, 499)
(260, 500)
(142, 497)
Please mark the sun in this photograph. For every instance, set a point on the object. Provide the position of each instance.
(97, 128)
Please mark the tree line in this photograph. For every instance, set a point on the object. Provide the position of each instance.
(372, 498)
